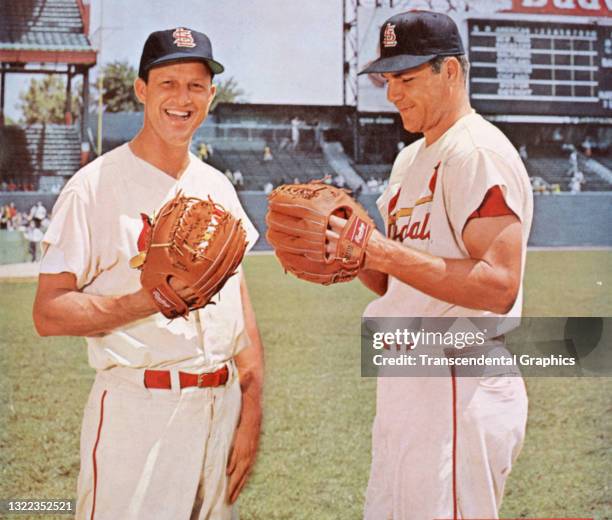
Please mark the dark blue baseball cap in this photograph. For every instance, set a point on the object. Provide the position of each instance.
(180, 44)
(410, 39)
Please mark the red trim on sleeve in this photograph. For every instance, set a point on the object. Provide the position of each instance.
(393, 202)
(493, 205)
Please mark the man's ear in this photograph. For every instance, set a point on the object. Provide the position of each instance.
(453, 68)
(213, 93)
(140, 89)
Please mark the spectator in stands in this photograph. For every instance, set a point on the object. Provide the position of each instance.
(523, 152)
(296, 180)
(268, 187)
(575, 185)
(37, 213)
(538, 186)
(20, 221)
(203, 151)
(339, 181)
(3, 218)
(557, 136)
(372, 184)
(295, 133)
(267, 154)
(587, 146)
(400, 146)
(4, 186)
(11, 211)
(238, 179)
(211, 150)
(12, 186)
(230, 176)
(317, 144)
(573, 160)
(34, 236)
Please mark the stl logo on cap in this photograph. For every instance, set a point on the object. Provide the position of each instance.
(389, 37)
(183, 38)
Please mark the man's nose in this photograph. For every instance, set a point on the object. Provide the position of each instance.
(394, 92)
(183, 95)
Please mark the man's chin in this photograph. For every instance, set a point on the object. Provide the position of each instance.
(412, 126)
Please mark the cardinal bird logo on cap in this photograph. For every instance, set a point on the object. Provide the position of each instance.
(389, 37)
(183, 38)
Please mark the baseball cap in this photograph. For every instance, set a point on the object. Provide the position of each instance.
(180, 44)
(410, 39)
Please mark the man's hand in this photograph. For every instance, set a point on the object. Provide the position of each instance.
(249, 363)
(244, 450)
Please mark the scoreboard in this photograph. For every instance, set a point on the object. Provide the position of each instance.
(539, 68)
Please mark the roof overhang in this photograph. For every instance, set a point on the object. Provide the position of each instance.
(48, 56)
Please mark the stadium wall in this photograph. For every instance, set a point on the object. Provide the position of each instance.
(562, 220)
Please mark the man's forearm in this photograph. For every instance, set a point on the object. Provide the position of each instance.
(73, 313)
(467, 282)
(374, 280)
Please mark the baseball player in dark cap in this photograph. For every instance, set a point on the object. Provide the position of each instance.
(171, 427)
(458, 210)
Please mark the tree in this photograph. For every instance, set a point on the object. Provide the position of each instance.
(118, 88)
(45, 99)
(227, 92)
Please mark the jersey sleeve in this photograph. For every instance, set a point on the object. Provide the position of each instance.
(69, 232)
(468, 185)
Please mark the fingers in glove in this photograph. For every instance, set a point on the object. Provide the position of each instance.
(295, 244)
(337, 223)
(295, 226)
(331, 245)
(293, 208)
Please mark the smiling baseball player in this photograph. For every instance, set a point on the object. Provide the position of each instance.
(171, 427)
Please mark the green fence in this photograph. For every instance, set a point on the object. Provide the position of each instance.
(13, 247)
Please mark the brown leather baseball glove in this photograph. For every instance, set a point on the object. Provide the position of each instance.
(298, 216)
(194, 240)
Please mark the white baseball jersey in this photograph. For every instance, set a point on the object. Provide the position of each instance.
(94, 232)
(148, 453)
(442, 447)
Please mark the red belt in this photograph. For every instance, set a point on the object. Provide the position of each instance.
(161, 379)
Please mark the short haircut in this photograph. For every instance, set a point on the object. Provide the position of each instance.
(436, 64)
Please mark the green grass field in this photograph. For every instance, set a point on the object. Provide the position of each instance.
(315, 451)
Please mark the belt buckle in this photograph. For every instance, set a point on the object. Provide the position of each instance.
(200, 380)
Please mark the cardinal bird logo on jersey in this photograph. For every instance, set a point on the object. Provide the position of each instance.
(183, 38)
(412, 222)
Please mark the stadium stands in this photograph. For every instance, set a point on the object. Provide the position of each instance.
(380, 172)
(285, 165)
(30, 154)
(554, 167)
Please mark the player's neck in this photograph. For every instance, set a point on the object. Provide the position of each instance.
(171, 159)
(447, 120)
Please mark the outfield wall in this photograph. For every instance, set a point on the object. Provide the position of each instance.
(562, 220)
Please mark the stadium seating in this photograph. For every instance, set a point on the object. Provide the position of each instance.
(555, 168)
(31, 152)
(285, 166)
(380, 172)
